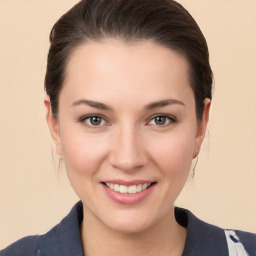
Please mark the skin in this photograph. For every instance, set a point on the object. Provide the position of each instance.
(128, 144)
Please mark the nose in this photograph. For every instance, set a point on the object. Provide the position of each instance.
(128, 150)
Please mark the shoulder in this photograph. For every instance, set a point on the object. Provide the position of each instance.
(207, 239)
(23, 247)
(248, 240)
(62, 240)
(247, 237)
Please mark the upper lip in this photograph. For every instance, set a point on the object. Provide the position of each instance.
(128, 183)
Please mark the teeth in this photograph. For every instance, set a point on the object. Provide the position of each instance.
(128, 189)
(132, 189)
(116, 187)
(140, 187)
(144, 186)
(123, 189)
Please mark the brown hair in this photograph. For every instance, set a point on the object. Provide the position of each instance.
(165, 22)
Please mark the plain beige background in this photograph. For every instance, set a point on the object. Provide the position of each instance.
(34, 195)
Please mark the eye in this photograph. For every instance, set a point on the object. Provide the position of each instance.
(94, 121)
(161, 120)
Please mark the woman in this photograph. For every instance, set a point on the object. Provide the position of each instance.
(128, 88)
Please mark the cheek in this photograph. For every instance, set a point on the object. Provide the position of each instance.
(174, 153)
(83, 154)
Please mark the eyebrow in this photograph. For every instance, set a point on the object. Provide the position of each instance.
(150, 106)
(91, 103)
(163, 103)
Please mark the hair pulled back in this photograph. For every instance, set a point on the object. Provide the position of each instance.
(165, 22)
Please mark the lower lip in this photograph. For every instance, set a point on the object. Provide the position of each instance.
(126, 198)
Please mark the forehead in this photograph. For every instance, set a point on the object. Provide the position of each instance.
(112, 67)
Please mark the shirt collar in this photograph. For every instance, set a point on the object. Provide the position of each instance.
(65, 240)
(202, 238)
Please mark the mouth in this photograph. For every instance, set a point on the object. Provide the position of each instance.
(132, 189)
(128, 192)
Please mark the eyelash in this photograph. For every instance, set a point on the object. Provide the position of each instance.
(171, 119)
(83, 119)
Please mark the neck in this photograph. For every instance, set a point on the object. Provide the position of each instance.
(166, 237)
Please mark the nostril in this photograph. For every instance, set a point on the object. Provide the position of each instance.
(127, 155)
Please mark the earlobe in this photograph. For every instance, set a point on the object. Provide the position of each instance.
(202, 126)
(52, 124)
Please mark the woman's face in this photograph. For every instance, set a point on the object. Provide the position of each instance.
(127, 131)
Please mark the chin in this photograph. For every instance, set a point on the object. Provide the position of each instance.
(130, 227)
(129, 223)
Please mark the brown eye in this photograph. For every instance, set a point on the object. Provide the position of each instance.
(161, 120)
(95, 121)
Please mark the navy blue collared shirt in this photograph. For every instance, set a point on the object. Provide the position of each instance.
(64, 239)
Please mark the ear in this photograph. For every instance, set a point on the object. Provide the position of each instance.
(201, 128)
(53, 125)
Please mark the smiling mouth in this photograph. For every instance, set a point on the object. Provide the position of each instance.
(128, 189)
